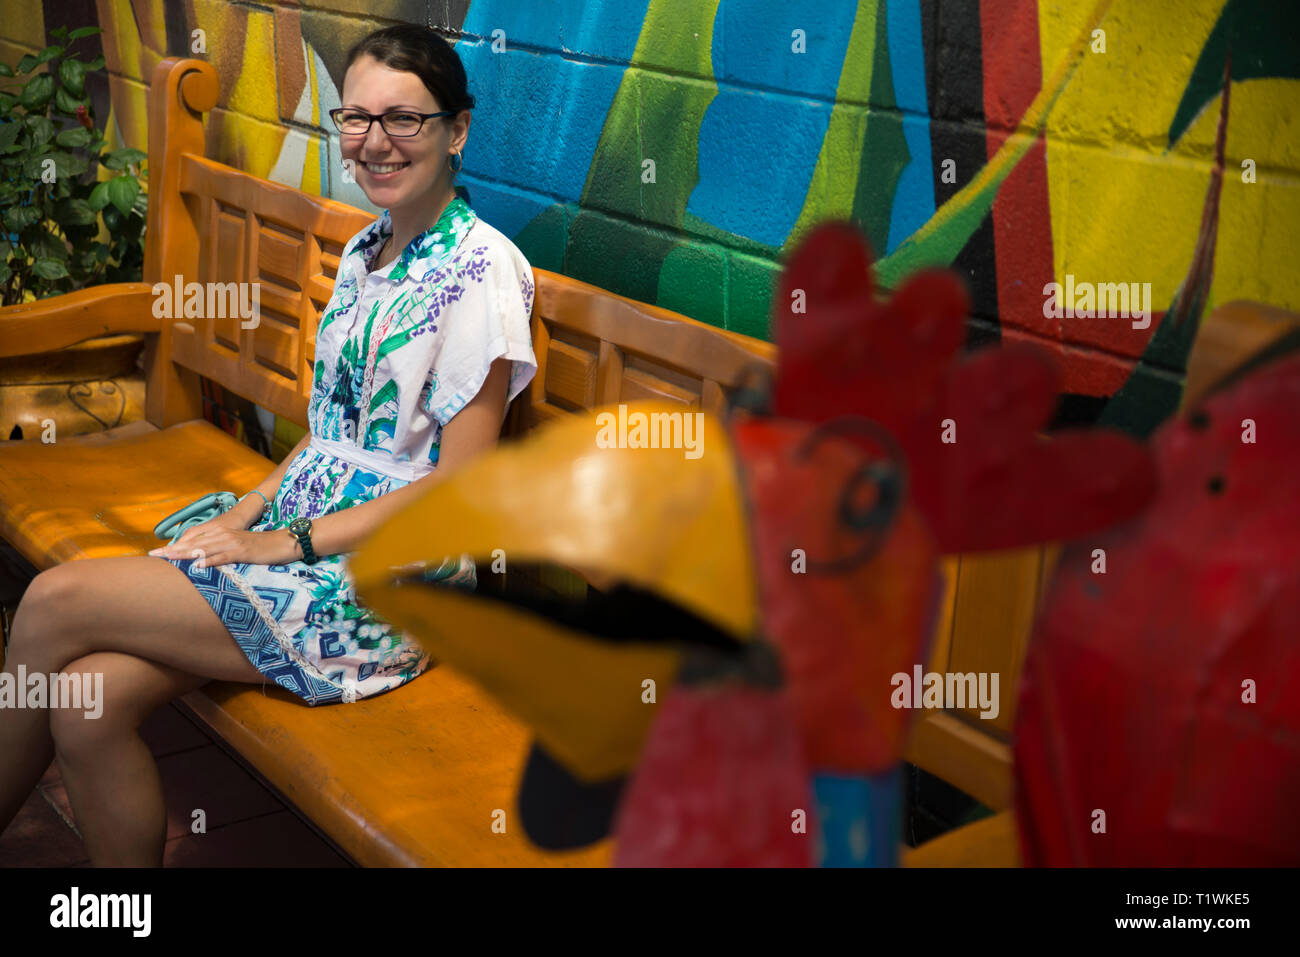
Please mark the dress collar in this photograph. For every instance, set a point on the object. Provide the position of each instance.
(426, 252)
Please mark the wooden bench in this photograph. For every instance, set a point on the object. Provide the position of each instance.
(413, 777)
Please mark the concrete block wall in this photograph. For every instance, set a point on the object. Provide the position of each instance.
(1018, 141)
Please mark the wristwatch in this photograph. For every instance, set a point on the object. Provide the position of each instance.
(300, 528)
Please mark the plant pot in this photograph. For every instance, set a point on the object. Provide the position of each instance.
(90, 387)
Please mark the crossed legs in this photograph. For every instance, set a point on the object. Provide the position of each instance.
(143, 625)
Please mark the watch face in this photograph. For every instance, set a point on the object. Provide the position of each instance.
(299, 525)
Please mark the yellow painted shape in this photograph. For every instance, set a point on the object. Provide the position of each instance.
(835, 175)
(582, 697)
(312, 175)
(249, 132)
(649, 517)
(1016, 145)
(1122, 210)
(25, 26)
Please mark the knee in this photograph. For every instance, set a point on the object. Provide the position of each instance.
(84, 723)
(37, 622)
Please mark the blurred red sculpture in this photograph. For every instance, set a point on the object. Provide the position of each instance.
(1159, 720)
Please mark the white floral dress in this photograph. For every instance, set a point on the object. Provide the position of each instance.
(399, 351)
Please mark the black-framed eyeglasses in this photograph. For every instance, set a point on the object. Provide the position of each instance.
(394, 122)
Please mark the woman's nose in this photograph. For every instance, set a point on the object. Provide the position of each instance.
(376, 140)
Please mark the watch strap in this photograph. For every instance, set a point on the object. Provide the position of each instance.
(304, 541)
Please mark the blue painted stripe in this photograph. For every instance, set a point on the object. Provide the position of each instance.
(914, 197)
(860, 818)
(757, 150)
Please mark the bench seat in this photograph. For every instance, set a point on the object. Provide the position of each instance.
(449, 752)
(96, 496)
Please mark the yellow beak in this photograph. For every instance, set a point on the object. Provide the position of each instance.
(576, 493)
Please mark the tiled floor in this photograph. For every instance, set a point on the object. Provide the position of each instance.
(247, 825)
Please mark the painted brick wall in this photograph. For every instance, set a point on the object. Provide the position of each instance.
(1020, 141)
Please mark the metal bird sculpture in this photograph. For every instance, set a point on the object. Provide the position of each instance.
(727, 700)
(1158, 721)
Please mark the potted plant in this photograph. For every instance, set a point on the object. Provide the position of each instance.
(64, 228)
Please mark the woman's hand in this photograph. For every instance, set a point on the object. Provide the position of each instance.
(215, 543)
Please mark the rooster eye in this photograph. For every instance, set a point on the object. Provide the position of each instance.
(886, 475)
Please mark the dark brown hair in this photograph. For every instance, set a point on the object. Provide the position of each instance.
(415, 49)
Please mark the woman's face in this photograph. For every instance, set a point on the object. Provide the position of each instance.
(421, 174)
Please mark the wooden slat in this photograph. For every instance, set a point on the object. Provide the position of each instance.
(253, 230)
(1228, 336)
(639, 385)
(571, 375)
(967, 758)
(941, 639)
(989, 842)
(997, 595)
(62, 321)
(641, 351)
(609, 374)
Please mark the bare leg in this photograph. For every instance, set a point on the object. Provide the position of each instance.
(110, 774)
(137, 605)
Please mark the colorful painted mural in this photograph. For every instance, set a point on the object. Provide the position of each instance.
(674, 150)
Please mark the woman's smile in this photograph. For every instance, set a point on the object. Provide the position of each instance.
(384, 171)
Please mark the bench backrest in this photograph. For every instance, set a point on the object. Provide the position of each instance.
(213, 223)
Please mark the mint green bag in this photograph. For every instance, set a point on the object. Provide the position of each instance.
(196, 513)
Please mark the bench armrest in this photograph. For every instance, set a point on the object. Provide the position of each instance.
(60, 321)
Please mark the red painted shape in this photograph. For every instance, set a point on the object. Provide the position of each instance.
(716, 785)
(842, 635)
(1131, 700)
(1002, 485)
(978, 471)
(845, 351)
(1022, 211)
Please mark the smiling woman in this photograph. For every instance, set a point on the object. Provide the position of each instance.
(421, 348)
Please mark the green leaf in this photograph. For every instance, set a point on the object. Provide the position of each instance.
(65, 102)
(37, 92)
(6, 70)
(122, 191)
(72, 74)
(76, 212)
(73, 138)
(49, 53)
(5, 272)
(7, 101)
(42, 128)
(27, 63)
(50, 269)
(118, 159)
(17, 217)
(98, 197)
(45, 245)
(77, 164)
(95, 64)
(80, 32)
(1256, 32)
(8, 133)
(65, 165)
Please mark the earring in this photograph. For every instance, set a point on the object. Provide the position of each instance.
(456, 162)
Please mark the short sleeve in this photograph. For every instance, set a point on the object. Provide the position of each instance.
(490, 322)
